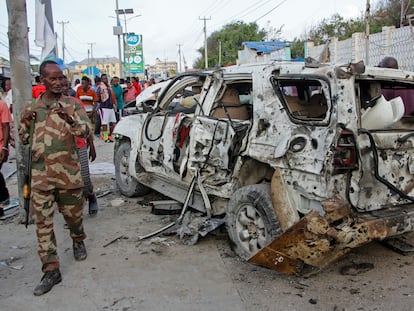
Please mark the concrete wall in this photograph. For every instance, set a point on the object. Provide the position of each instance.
(396, 42)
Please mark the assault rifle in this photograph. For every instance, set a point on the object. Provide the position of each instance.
(27, 181)
(28, 170)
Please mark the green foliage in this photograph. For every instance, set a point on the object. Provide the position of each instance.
(385, 13)
(335, 26)
(231, 38)
(388, 13)
(297, 48)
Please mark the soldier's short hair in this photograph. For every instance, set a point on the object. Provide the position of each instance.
(44, 64)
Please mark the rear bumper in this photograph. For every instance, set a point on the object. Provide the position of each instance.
(316, 241)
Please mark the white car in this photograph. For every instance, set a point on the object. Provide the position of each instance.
(303, 163)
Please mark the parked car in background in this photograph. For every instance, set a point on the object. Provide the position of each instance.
(303, 163)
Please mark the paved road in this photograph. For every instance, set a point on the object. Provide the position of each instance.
(164, 274)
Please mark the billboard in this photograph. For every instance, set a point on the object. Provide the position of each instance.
(133, 56)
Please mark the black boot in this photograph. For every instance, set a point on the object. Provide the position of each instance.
(79, 250)
(49, 279)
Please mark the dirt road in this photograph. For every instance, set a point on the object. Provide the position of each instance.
(164, 274)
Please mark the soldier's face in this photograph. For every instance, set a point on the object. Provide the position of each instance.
(53, 79)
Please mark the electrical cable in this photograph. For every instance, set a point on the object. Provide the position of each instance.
(268, 12)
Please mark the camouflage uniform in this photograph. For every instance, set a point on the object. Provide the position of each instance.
(56, 173)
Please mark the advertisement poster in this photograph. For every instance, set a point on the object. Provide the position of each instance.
(133, 56)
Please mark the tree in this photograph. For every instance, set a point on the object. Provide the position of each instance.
(388, 13)
(231, 38)
(335, 26)
(385, 13)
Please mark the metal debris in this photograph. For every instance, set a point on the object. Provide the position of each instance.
(316, 241)
(115, 240)
(356, 268)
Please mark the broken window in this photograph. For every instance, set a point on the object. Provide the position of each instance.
(234, 101)
(385, 104)
(304, 99)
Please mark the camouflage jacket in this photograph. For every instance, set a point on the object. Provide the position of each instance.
(55, 162)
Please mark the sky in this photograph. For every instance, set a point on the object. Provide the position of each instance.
(167, 25)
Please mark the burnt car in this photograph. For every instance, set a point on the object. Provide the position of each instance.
(302, 163)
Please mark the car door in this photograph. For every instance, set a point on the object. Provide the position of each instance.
(385, 177)
(164, 128)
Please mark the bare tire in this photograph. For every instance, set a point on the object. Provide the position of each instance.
(251, 220)
(127, 184)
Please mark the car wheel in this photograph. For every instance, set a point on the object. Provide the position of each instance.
(127, 184)
(251, 220)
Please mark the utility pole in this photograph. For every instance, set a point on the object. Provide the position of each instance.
(219, 56)
(179, 56)
(367, 21)
(20, 75)
(91, 44)
(205, 40)
(63, 38)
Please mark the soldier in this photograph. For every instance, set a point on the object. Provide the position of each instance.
(55, 169)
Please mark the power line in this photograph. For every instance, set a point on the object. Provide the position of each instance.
(268, 12)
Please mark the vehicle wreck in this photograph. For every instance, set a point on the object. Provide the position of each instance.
(302, 163)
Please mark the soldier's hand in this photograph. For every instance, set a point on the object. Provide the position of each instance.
(62, 113)
(28, 116)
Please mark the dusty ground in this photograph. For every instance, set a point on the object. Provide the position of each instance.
(164, 274)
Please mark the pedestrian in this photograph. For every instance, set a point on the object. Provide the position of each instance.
(55, 169)
(9, 95)
(5, 120)
(119, 97)
(130, 92)
(388, 62)
(107, 106)
(88, 98)
(82, 144)
(136, 85)
(38, 88)
(94, 87)
(76, 86)
(70, 90)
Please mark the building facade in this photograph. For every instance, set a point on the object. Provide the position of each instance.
(98, 66)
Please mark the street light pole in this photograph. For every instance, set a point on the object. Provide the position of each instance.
(121, 72)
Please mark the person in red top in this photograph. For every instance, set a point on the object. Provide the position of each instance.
(88, 97)
(130, 93)
(137, 85)
(38, 89)
(82, 144)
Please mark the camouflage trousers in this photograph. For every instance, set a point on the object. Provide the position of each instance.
(70, 203)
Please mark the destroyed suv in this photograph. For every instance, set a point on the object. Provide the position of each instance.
(302, 162)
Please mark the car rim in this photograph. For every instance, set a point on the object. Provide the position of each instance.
(250, 227)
